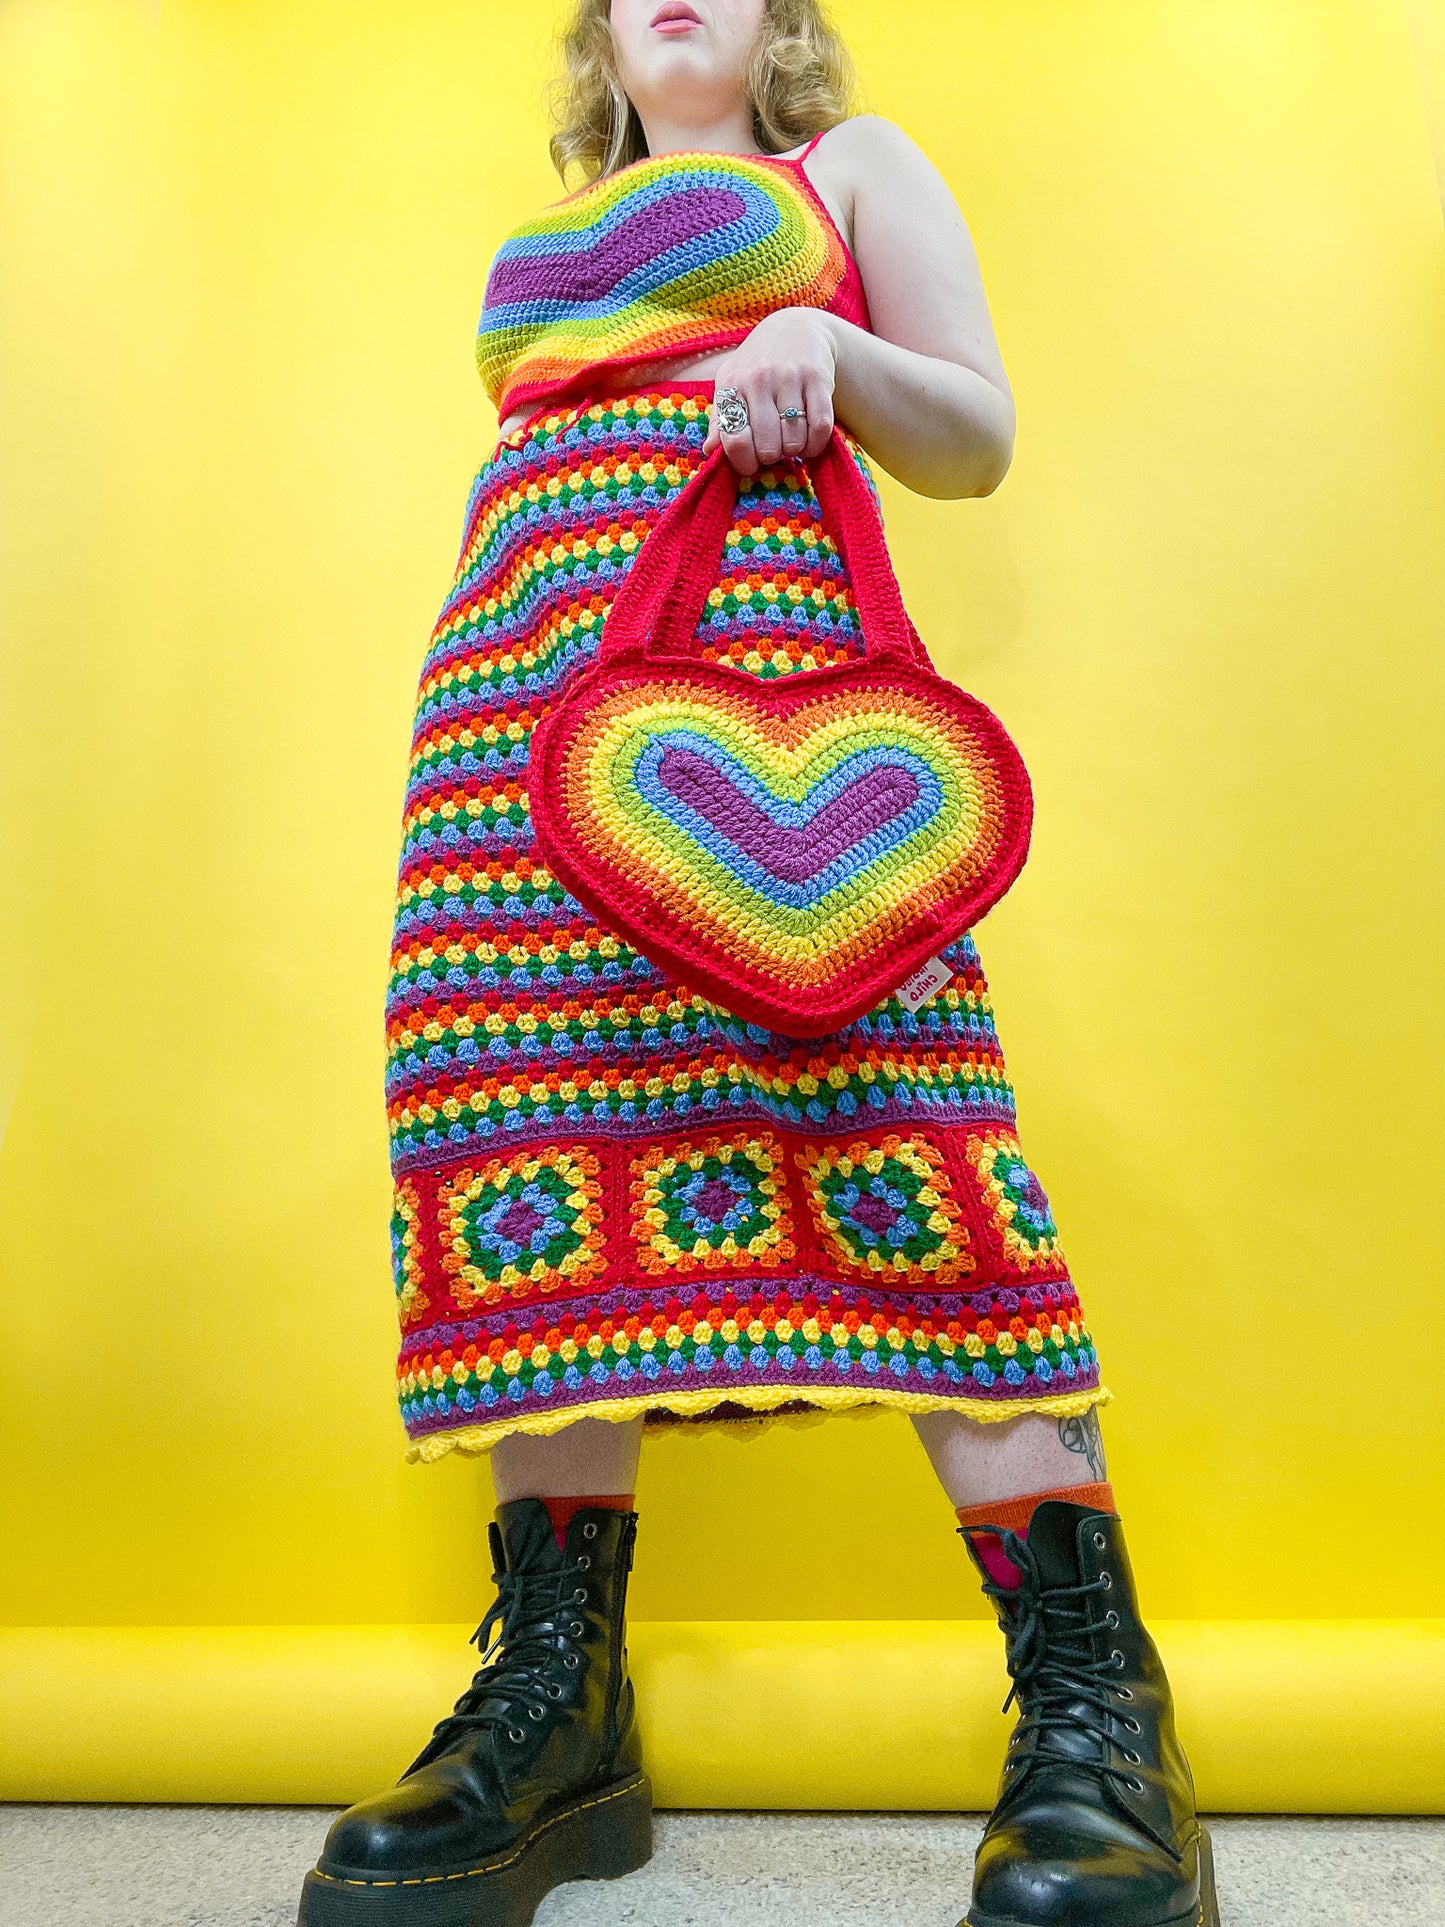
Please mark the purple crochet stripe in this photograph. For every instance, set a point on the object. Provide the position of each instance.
(984, 1104)
(871, 802)
(542, 609)
(721, 1378)
(630, 1302)
(592, 268)
(664, 439)
(926, 1025)
(709, 1029)
(547, 1128)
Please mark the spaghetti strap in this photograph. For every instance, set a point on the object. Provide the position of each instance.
(800, 158)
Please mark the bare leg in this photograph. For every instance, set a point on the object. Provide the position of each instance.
(587, 1459)
(978, 1463)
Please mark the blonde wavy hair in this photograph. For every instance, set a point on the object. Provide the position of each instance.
(800, 80)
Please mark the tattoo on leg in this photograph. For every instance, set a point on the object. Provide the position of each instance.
(1082, 1435)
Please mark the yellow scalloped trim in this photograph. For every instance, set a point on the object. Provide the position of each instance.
(825, 1401)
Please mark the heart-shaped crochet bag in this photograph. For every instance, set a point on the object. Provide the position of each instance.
(793, 848)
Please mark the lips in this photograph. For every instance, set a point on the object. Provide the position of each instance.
(675, 15)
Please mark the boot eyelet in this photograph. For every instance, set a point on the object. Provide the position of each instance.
(1118, 1659)
(1131, 1725)
(1111, 1618)
(1137, 1785)
(536, 1713)
(554, 1692)
(1100, 1541)
(584, 1563)
(589, 1531)
(578, 1629)
(1106, 1582)
(1131, 1756)
(571, 1662)
(580, 1596)
(1123, 1693)
(515, 1735)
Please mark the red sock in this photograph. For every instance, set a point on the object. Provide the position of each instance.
(1015, 1514)
(560, 1511)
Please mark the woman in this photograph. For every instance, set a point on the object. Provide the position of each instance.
(615, 1203)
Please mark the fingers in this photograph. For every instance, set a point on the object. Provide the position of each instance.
(735, 439)
(772, 433)
(817, 408)
(737, 445)
(792, 420)
(782, 374)
(780, 428)
(767, 424)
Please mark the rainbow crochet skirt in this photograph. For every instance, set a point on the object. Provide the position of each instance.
(611, 1197)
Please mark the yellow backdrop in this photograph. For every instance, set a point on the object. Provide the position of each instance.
(244, 246)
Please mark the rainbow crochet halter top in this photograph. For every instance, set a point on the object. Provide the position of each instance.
(672, 255)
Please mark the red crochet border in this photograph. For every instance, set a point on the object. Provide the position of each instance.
(652, 926)
(650, 632)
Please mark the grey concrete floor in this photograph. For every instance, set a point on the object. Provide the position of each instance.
(242, 1867)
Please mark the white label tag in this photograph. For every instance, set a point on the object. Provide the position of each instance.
(923, 983)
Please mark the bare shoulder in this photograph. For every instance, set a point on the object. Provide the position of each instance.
(868, 149)
(914, 251)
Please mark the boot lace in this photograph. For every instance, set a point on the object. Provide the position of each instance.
(1058, 1684)
(527, 1629)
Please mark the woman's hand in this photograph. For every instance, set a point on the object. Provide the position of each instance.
(789, 361)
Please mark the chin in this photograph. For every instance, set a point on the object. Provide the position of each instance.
(685, 75)
(690, 52)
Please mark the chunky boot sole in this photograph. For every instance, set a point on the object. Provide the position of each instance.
(1208, 1902)
(600, 1838)
(1204, 1914)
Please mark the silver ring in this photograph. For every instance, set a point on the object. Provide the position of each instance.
(791, 414)
(732, 411)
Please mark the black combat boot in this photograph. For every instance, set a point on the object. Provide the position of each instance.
(1095, 1823)
(536, 1777)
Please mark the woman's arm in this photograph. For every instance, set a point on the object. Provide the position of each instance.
(926, 393)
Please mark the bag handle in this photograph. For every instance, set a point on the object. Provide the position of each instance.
(655, 613)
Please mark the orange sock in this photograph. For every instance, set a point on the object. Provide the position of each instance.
(560, 1511)
(1015, 1514)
